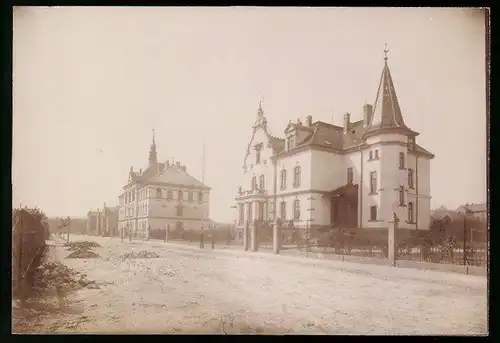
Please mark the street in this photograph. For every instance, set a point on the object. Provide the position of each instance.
(189, 290)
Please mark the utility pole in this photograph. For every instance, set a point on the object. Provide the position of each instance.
(202, 181)
(465, 234)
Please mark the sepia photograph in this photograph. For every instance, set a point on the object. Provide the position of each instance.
(250, 170)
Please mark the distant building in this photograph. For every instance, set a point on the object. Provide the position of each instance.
(102, 221)
(91, 222)
(480, 211)
(350, 176)
(163, 196)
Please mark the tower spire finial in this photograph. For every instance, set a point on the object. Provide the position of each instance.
(153, 135)
(385, 53)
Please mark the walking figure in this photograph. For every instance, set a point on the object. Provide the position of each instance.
(201, 239)
(211, 236)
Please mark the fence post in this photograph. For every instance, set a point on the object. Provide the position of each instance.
(391, 246)
(276, 237)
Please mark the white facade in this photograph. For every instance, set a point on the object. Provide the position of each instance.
(164, 196)
(331, 158)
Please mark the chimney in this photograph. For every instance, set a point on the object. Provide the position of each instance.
(178, 164)
(309, 121)
(183, 168)
(367, 114)
(347, 122)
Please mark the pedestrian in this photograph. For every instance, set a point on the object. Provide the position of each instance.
(164, 234)
(201, 239)
(212, 239)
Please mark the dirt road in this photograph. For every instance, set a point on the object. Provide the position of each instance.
(214, 291)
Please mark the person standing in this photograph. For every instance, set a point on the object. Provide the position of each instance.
(201, 239)
(211, 235)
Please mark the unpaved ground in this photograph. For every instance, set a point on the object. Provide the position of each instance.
(203, 291)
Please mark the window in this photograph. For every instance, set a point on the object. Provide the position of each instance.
(410, 212)
(133, 196)
(262, 182)
(371, 155)
(180, 195)
(335, 212)
(158, 193)
(350, 176)
(376, 154)
(411, 143)
(283, 210)
(401, 196)
(250, 210)
(352, 207)
(373, 212)
(169, 194)
(200, 196)
(291, 143)
(257, 156)
(254, 183)
(283, 179)
(179, 211)
(296, 209)
(401, 160)
(296, 177)
(190, 196)
(261, 210)
(410, 178)
(373, 182)
(241, 213)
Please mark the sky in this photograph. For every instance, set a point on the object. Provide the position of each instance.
(91, 83)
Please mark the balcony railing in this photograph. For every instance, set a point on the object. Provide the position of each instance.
(252, 192)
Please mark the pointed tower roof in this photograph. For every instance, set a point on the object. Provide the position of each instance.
(386, 110)
(153, 157)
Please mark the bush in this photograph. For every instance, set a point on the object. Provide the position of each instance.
(29, 232)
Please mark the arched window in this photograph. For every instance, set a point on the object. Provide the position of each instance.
(296, 209)
(179, 211)
(254, 183)
(158, 193)
(296, 178)
(283, 179)
(190, 196)
(169, 194)
(200, 196)
(262, 182)
(180, 195)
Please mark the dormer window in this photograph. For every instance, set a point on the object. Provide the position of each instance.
(411, 143)
(257, 156)
(291, 142)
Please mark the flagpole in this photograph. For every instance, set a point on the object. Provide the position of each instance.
(203, 181)
(203, 165)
